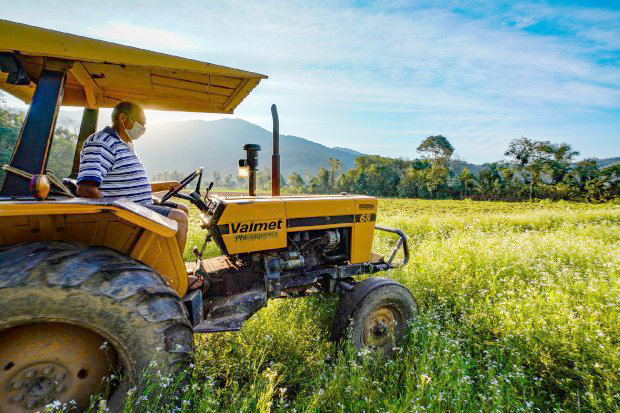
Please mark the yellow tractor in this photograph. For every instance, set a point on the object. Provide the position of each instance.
(94, 286)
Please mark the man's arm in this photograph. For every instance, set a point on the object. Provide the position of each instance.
(88, 189)
(163, 186)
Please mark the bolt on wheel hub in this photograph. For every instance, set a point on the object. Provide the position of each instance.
(380, 327)
(38, 384)
(46, 362)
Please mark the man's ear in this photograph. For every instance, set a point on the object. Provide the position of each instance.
(122, 119)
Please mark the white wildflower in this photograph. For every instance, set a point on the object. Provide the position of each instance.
(103, 406)
(54, 405)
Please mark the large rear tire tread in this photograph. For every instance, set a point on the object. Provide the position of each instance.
(122, 300)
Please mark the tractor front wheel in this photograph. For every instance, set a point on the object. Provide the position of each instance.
(375, 314)
(73, 317)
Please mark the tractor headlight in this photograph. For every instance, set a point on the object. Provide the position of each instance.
(244, 169)
(244, 172)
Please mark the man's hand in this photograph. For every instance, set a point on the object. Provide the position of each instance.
(88, 189)
(164, 186)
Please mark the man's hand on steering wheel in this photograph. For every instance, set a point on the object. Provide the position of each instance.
(176, 189)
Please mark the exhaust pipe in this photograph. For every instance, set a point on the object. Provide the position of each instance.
(248, 166)
(275, 158)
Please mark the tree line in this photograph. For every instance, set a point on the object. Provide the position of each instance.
(533, 169)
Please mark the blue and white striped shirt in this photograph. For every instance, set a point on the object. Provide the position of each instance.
(114, 166)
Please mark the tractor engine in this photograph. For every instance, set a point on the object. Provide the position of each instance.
(308, 250)
(287, 242)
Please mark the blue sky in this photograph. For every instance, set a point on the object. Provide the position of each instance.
(380, 76)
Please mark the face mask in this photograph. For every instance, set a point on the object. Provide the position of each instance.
(136, 131)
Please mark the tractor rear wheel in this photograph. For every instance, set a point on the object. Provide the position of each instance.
(72, 315)
(375, 314)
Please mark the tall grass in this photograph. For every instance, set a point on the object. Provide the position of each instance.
(519, 312)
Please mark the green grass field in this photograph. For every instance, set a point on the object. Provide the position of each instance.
(519, 311)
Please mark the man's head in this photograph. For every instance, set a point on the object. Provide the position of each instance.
(128, 119)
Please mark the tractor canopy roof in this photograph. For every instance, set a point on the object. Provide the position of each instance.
(101, 74)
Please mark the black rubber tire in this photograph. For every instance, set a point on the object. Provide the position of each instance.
(122, 300)
(366, 297)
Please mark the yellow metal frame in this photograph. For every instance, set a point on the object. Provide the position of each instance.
(120, 225)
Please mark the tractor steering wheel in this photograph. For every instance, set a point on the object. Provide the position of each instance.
(184, 182)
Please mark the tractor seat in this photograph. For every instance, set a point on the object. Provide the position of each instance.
(71, 184)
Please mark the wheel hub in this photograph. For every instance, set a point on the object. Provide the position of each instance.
(38, 384)
(380, 327)
(45, 362)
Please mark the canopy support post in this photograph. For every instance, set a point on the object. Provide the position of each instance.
(35, 139)
(87, 128)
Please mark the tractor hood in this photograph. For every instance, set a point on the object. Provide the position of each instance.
(102, 74)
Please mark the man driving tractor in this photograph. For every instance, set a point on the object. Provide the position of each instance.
(89, 287)
(109, 167)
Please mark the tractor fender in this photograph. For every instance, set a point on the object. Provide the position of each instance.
(351, 300)
(120, 225)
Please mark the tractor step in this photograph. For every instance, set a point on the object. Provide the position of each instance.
(228, 313)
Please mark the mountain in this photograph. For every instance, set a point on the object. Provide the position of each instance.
(218, 145)
(602, 163)
(351, 151)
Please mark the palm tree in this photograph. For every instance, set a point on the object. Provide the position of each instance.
(561, 156)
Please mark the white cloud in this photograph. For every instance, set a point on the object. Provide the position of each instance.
(606, 39)
(523, 22)
(141, 36)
